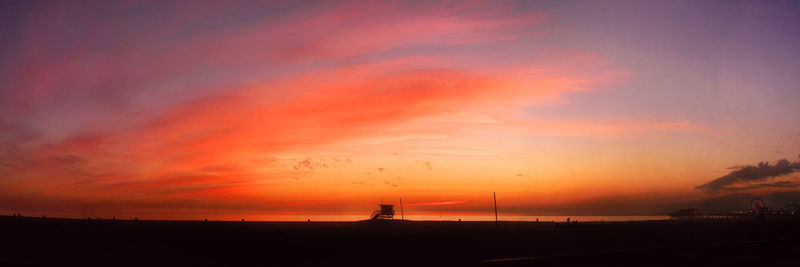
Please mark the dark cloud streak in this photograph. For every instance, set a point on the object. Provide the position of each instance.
(749, 176)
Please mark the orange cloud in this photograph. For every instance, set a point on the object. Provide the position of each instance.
(440, 203)
(216, 119)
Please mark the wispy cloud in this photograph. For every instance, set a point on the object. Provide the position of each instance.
(189, 102)
(439, 203)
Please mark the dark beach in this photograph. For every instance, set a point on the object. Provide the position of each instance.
(37, 241)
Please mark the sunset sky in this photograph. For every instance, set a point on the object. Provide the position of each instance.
(221, 109)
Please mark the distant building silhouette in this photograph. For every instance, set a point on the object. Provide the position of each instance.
(687, 213)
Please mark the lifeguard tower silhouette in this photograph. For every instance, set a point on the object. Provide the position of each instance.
(386, 212)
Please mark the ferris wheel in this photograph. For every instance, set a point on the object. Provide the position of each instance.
(757, 204)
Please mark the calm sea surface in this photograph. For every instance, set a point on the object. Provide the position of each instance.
(338, 218)
(359, 217)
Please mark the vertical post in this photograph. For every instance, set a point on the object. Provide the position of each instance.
(496, 226)
(402, 215)
(494, 195)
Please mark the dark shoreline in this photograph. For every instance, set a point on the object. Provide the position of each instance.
(50, 241)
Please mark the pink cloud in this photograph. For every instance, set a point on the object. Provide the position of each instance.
(440, 203)
(173, 115)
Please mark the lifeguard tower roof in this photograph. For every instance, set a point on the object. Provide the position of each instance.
(386, 212)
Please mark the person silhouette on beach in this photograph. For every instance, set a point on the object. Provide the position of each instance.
(567, 220)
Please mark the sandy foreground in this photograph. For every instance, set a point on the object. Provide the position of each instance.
(753, 242)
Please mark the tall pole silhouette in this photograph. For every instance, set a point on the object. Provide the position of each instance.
(494, 195)
(402, 216)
